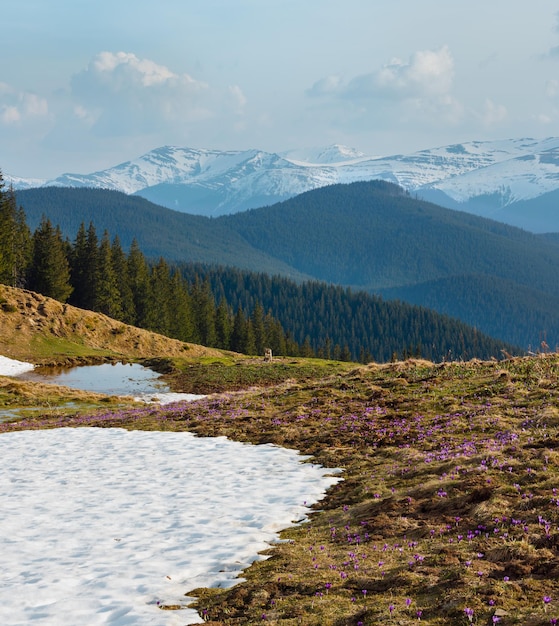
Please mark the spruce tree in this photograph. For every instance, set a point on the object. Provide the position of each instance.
(139, 280)
(91, 269)
(23, 249)
(84, 260)
(275, 335)
(250, 342)
(159, 310)
(181, 322)
(239, 333)
(5, 236)
(223, 325)
(204, 309)
(120, 265)
(15, 239)
(107, 296)
(50, 270)
(78, 268)
(257, 320)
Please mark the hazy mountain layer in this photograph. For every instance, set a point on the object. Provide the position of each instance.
(514, 181)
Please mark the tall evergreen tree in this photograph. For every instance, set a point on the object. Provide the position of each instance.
(120, 265)
(23, 249)
(15, 239)
(259, 332)
(275, 335)
(139, 280)
(204, 312)
(5, 236)
(78, 268)
(84, 260)
(223, 325)
(239, 333)
(250, 342)
(107, 296)
(91, 269)
(50, 271)
(182, 322)
(159, 311)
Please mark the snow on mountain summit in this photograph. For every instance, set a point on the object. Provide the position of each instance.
(165, 165)
(216, 182)
(324, 156)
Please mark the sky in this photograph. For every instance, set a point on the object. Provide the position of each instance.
(85, 85)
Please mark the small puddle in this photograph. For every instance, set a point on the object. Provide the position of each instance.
(113, 379)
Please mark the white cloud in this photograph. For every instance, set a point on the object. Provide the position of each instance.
(416, 91)
(238, 97)
(331, 85)
(124, 94)
(427, 73)
(9, 114)
(20, 106)
(493, 114)
(144, 71)
(552, 88)
(544, 119)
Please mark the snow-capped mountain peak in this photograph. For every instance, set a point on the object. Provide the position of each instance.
(331, 155)
(484, 177)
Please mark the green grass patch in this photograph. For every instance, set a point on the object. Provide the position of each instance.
(49, 347)
(212, 375)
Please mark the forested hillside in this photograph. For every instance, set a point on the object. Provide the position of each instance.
(94, 273)
(337, 322)
(159, 232)
(370, 236)
(374, 235)
(490, 304)
(551, 238)
(224, 308)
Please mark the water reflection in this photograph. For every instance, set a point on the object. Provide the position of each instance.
(114, 379)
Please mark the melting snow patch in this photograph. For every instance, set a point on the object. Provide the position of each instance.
(9, 367)
(101, 526)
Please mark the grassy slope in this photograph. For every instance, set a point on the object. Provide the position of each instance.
(450, 494)
(44, 331)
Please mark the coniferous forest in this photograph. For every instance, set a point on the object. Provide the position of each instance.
(222, 307)
(370, 236)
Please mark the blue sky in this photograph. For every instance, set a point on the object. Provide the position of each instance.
(87, 84)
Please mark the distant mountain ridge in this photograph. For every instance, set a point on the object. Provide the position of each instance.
(515, 181)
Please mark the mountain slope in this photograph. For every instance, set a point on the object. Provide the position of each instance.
(42, 330)
(489, 303)
(331, 318)
(374, 236)
(371, 236)
(498, 179)
(159, 231)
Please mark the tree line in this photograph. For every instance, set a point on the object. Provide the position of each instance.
(93, 272)
(340, 323)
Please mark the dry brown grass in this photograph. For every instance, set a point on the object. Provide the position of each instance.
(42, 330)
(449, 508)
